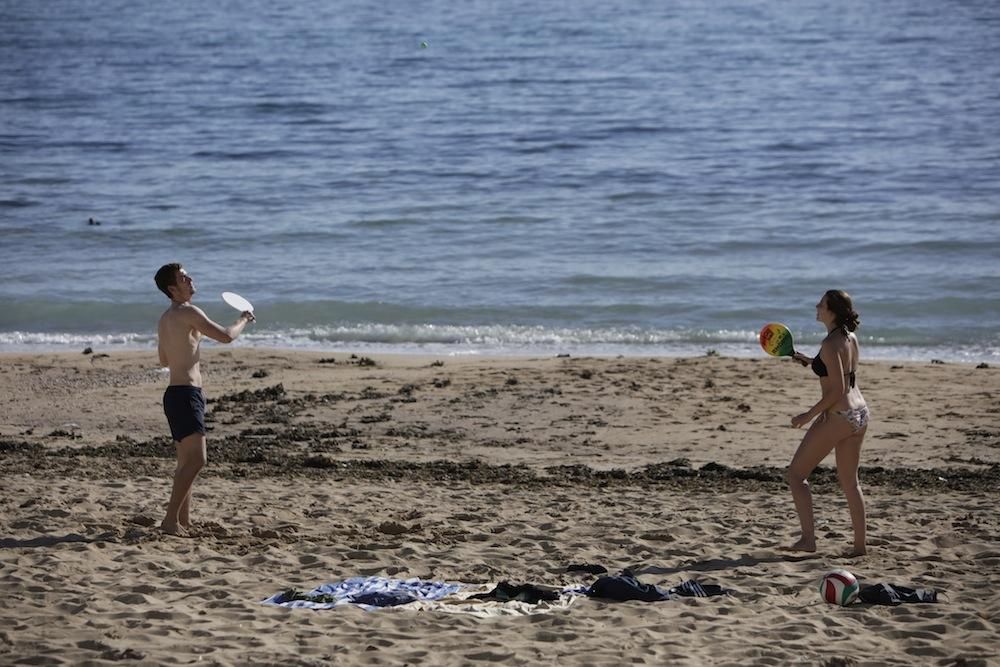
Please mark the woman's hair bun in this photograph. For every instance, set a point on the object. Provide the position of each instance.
(839, 303)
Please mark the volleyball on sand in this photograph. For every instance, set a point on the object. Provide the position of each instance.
(839, 587)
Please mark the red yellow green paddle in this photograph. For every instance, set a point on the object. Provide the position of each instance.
(776, 340)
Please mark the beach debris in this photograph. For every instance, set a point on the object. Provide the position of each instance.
(133, 535)
(318, 461)
(393, 528)
(272, 393)
(372, 394)
(261, 373)
(124, 654)
(937, 361)
(143, 520)
(983, 365)
(69, 430)
(327, 360)
(88, 350)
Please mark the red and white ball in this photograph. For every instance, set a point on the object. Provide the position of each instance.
(839, 587)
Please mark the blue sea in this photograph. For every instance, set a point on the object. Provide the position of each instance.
(473, 177)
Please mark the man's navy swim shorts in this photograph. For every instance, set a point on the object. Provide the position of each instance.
(184, 407)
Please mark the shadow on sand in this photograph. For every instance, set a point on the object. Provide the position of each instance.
(717, 564)
(43, 541)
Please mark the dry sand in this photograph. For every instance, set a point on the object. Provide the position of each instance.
(323, 467)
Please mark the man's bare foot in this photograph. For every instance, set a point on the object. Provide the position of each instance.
(174, 529)
(803, 544)
(857, 551)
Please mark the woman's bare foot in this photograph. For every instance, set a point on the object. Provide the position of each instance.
(174, 529)
(857, 551)
(803, 545)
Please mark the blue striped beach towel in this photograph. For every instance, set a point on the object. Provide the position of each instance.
(368, 593)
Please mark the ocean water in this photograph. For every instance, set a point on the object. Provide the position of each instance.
(482, 177)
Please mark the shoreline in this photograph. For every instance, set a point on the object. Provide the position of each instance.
(974, 355)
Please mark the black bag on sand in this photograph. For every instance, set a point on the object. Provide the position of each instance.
(894, 595)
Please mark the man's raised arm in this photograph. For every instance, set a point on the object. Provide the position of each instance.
(201, 322)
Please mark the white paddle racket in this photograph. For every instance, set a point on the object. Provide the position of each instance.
(237, 302)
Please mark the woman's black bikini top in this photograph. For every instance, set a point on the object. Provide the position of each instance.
(819, 368)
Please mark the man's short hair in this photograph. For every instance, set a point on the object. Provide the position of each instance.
(167, 276)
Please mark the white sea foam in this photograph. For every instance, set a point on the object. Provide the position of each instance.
(492, 340)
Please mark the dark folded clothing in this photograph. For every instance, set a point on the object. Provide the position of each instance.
(506, 592)
(587, 567)
(626, 587)
(893, 595)
(382, 599)
(692, 589)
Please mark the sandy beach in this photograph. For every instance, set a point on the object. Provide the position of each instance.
(480, 470)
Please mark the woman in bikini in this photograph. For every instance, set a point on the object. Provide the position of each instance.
(841, 420)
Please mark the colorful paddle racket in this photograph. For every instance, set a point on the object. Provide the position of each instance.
(776, 340)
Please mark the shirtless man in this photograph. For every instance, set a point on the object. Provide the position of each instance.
(179, 344)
